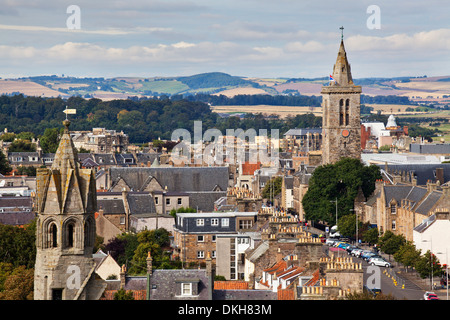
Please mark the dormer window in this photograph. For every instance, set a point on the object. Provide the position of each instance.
(393, 208)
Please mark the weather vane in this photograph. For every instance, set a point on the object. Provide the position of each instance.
(342, 33)
(69, 111)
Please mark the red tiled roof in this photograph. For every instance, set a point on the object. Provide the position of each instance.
(249, 168)
(286, 294)
(230, 285)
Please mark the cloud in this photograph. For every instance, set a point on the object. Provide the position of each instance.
(107, 31)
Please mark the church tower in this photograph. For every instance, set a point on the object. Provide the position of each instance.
(65, 231)
(341, 126)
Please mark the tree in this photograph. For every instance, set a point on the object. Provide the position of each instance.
(50, 140)
(272, 188)
(340, 181)
(5, 168)
(370, 236)
(122, 294)
(407, 255)
(152, 241)
(19, 285)
(347, 225)
(428, 265)
(122, 247)
(391, 243)
(174, 212)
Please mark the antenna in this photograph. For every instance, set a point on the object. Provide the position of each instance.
(342, 33)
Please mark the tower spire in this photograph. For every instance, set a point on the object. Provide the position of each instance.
(341, 71)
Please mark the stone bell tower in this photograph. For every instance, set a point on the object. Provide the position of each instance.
(65, 233)
(341, 125)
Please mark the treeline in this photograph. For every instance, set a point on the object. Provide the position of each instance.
(391, 99)
(257, 99)
(142, 119)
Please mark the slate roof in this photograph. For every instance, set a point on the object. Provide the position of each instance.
(427, 204)
(16, 218)
(141, 203)
(182, 179)
(204, 201)
(422, 172)
(165, 282)
(111, 206)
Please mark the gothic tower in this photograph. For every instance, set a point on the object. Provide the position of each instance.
(341, 126)
(65, 232)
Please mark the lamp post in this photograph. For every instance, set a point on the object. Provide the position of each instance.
(356, 219)
(446, 267)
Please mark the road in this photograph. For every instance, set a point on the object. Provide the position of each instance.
(401, 289)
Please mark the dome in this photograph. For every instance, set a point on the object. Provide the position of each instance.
(391, 122)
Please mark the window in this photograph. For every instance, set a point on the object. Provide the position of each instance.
(186, 289)
(70, 235)
(394, 225)
(122, 220)
(393, 208)
(245, 224)
(156, 200)
(213, 238)
(214, 222)
(213, 254)
(225, 222)
(57, 294)
(179, 201)
(54, 233)
(168, 201)
(200, 254)
(200, 222)
(200, 238)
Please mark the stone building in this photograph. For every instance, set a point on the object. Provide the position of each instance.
(195, 234)
(100, 140)
(341, 126)
(65, 230)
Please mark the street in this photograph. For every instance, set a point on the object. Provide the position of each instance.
(399, 288)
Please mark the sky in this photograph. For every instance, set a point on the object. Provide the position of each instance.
(251, 38)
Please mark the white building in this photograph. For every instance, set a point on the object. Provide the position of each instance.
(434, 234)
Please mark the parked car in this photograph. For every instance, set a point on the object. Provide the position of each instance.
(330, 242)
(430, 295)
(375, 261)
(356, 251)
(367, 255)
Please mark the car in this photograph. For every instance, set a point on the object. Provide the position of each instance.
(375, 261)
(330, 242)
(367, 255)
(356, 251)
(430, 295)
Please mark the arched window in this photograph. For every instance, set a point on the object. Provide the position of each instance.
(347, 111)
(53, 236)
(341, 112)
(70, 235)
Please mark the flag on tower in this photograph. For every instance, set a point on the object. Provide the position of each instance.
(331, 78)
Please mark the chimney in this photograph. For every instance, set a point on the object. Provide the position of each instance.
(431, 186)
(440, 175)
(123, 273)
(126, 207)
